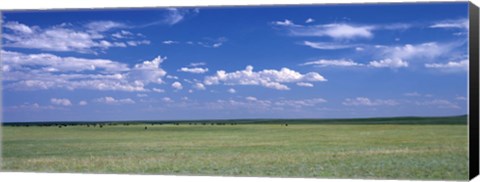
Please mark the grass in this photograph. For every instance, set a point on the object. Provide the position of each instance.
(378, 151)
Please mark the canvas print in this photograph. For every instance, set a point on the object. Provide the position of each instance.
(371, 91)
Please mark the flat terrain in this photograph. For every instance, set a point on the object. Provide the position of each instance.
(406, 151)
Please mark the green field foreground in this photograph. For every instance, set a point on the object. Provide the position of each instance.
(298, 150)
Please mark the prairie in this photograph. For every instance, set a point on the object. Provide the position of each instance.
(374, 151)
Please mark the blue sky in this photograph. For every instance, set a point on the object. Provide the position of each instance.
(330, 61)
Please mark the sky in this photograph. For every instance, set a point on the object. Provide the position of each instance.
(316, 61)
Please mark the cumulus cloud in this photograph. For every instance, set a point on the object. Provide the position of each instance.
(363, 101)
(113, 101)
(168, 42)
(177, 85)
(196, 70)
(158, 90)
(199, 86)
(309, 20)
(333, 30)
(256, 104)
(250, 98)
(82, 103)
(274, 79)
(450, 66)
(284, 23)
(29, 106)
(61, 101)
(137, 43)
(91, 38)
(167, 99)
(232, 91)
(301, 102)
(123, 34)
(47, 71)
(398, 56)
(389, 63)
(428, 50)
(149, 71)
(333, 62)
(304, 84)
(52, 63)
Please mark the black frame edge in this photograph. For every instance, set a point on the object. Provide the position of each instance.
(473, 91)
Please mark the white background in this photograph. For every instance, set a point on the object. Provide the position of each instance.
(80, 4)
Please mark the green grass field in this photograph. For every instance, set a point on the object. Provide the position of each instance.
(384, 151)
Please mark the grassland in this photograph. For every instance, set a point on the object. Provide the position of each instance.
(385, 151)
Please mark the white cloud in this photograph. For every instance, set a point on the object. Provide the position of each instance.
(309, 20)
(232, 91)
(28, 106)
(172, 77)
(398, 56)
(102, 26)
(328, 45)
(82, 103)
(459, 23)
(175, 15)
(460, 98)
(167, 99)
(123, 34)
(199, 86)
(113, 101)
(439, 103)
(91, 38)
(268, 78)
(424, 50)
(193, 70)
(284, 23)
(158, 90)
(142, 95)
(450, 66)
(363, 101)
(52, 63)
(137, 43)
(389, 63)
(47, 71)
(177, 85)
(333, 62)
(256, 104)
(197, 64)
(60, 101)
(212, 43)
(250, 98)
(300, 103)
(168, 42)
(16, 26)
(149, 71)
(334, 30)
(304, 84)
